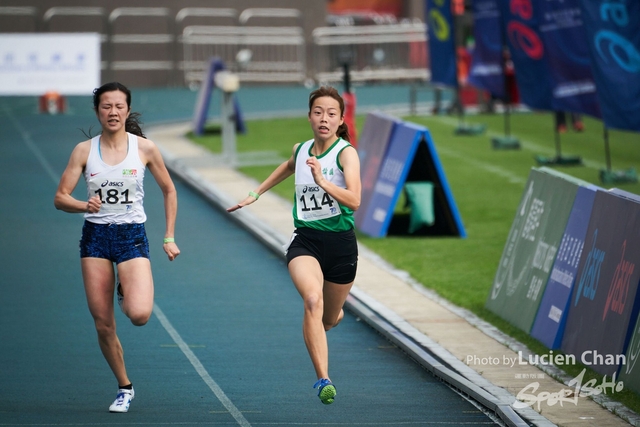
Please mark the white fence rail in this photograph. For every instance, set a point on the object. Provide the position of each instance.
(139, 51)
(277, 54)
(373, 52)
(257, 54)
(260, 44)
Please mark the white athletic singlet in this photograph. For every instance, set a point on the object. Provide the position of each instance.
(120, 187)
(313, 207)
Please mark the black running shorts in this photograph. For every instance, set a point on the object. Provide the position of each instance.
(337, 252)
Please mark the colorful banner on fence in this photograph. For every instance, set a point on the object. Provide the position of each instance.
(552, 314)
(603, 302)
(567, 57)
(531, 247)
(487, 56)
(613, 37)
(442, 46)
(630, 373)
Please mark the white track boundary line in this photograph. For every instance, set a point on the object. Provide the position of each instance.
(26, 138)
(215, 388)
(509, 176)
(222, 397)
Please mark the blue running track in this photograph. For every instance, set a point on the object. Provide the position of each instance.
(224, 347)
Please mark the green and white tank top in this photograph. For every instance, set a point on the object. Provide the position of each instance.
(313, 207)
(120, 187)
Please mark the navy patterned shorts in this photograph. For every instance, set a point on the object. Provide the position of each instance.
(115, 242)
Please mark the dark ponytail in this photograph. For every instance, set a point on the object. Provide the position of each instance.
(343, 132)
(133, 122)
(343, 129)
(132, 125)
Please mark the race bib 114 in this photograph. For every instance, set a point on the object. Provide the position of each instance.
(313, 203)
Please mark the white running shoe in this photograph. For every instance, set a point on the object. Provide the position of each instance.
(123, 400)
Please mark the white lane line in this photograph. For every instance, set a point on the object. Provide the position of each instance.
(235, 413)
(215, 388)
(26, 138)
(511, 177)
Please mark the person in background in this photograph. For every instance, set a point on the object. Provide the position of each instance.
(113, 165)
(561, 122)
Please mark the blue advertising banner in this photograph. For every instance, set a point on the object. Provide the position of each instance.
(567, 56)
(442, 47)
(613, 37)
(372, 146)
(409, 149)
(630, 373)
(603, 300)
(487, 55)
(393, 173)
(548, 326)
(521, 22)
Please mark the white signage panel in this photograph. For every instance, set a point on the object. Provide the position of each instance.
(32, 64)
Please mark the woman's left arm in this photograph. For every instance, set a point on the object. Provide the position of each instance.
(349, 196)
(153, 159)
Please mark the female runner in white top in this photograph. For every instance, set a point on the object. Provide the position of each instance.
(113, 165)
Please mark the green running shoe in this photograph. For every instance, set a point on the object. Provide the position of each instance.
(326, 391)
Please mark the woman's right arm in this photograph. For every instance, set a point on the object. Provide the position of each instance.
(63, 199)
(282, 172)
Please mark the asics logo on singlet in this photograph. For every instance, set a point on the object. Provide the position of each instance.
(310, 189)
(112, 184)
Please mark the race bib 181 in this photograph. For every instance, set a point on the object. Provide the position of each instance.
(117, 195)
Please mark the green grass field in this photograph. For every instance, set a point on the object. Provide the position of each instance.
(487, 186)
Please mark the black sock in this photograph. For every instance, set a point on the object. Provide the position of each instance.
(126, 387)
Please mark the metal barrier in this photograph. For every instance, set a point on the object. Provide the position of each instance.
(259, 44)
(191, 16)
(373, 52)
(226, 16)
(279, 16)
(23, 19)
(126, 49)
(97, 24)
(257, 54)
(80, 11)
